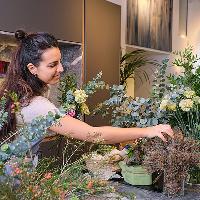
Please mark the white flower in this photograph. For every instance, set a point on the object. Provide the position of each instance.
(164, 103)
(80, 96)
(186, 104)
(196, 99)
(167, 104)
(166, 97)
(194, 70)
(189, 93)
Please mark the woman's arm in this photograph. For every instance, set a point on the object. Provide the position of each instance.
(106, 134)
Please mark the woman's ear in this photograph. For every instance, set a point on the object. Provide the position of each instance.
(32, 68)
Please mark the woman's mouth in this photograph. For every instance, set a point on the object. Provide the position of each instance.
(57, 76)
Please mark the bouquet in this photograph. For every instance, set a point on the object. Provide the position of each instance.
(180, 99)
(73, 99)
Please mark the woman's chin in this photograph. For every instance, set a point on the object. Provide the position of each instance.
(54, 82)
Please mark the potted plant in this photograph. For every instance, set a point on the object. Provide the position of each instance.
(132, 169)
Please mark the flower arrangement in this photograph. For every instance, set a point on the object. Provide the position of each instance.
(174, 100)
(180, 100)
(182, 107)
(73, 99)
(22, 179)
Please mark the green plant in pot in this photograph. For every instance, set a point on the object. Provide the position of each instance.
(132, 61)
(132, 169)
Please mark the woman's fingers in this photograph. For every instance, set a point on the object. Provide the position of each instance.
(161, 136)
(158, 131)
(167, 129)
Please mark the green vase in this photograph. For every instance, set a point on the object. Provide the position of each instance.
(135, 175)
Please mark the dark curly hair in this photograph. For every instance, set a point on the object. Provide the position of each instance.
(18, 78)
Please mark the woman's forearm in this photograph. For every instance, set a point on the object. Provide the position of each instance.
(106, 134)
(112, 135)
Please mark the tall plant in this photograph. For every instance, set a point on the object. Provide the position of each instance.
(132, 61)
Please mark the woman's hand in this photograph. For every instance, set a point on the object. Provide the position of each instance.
(158, 131)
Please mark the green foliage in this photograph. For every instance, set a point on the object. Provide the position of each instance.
(95, 84)
(7, 192)
(131, 62)
(48, 181)
(159, 85)
(28, 134)
(128, 112)
(68, 82)
(3, 113)
(194, 175)
(191, 70)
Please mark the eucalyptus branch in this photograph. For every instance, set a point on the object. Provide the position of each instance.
(28, 134)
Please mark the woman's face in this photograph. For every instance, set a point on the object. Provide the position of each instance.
(50, 67)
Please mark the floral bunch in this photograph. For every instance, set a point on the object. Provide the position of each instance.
(180, 100)
(73, 99)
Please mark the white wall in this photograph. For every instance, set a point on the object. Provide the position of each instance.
(194, 25)
(178, 43)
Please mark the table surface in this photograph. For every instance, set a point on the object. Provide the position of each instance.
(191, 193)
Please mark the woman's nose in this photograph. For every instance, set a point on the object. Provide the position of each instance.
(60, 68)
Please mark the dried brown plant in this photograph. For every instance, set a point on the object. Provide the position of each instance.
(174, 158)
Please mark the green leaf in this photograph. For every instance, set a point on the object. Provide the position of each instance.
(4, 147)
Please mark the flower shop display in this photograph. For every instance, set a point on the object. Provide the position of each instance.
(174, 100)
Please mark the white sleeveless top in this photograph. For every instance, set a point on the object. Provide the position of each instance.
(38, 106)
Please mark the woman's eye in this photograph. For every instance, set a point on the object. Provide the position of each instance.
(53, 64)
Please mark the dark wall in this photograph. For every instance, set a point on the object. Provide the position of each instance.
(103, 29)
(63, 18)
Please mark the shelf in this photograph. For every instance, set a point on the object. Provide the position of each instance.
(148, 50)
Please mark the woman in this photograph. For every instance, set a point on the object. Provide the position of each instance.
(37, 63)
